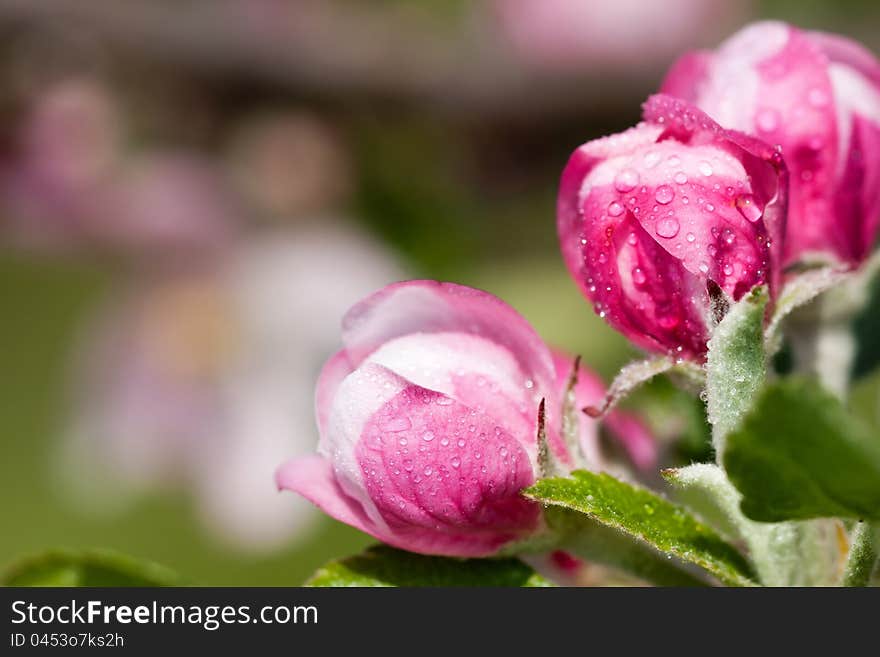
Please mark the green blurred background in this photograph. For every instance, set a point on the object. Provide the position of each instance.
(452, 158)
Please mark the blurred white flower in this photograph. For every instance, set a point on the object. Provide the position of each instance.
(204, 378)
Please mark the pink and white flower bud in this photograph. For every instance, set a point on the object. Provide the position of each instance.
(817, 96)
(428, 419)
(653, 220)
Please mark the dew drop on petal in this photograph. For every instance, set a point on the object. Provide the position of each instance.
(690, 237)
(664, 194)
(667, 227)
(705, 168)
(428, 436)
(396, 424)
(680, 178)
(748, 208)
(638, 276)
(626, 180)
(615, 209)
(767, 120)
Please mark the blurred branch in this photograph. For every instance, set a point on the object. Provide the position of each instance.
(328, 49)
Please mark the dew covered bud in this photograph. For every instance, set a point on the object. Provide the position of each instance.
(817, 96)
(661, 222)
(428, 421)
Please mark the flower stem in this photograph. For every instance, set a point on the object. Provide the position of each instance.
(863, 556)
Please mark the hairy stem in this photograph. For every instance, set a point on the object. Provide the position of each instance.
(863, 556)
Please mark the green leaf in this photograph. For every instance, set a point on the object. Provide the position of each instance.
(803, 553)
(383, 566)
(87, 568)
(591, 540)
(800, 455)
(736, 364)
(647, 517)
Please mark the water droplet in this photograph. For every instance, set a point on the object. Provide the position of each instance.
(664, 194)
(396, 424)
(748, 208)
(690, 237)
(529, 384)
(428, 436)
(652, 158)
(444, 401)
(728, 269)
(632, 239)
(444, 441)
(705, 168)
(428, 470)
(402, 441)
(639, 277)
(680, 178)
(602, 257)
(709, 207)
(767, 120)
(626, 180)
(673, 160)
(667, 227)
(461, 443)
(615, 209)
(455, 461)
(704, 267)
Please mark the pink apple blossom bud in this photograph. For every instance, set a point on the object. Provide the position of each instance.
(657, 221)
(428, 419)
(817, 96)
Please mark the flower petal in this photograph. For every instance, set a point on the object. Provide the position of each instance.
(434, 307)
(332, 374)
(445, 477)
(313, 478)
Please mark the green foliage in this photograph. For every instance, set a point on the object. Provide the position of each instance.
(804, 553)
(799, 454)
(383, 566)
(87, 568)
(589, 539)
(644, 515)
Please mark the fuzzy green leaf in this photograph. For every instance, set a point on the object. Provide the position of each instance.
(87, 568)
(794, 553)
(736, 364)
(648, 517)
(799, 455)
(383, 566)
(591, 540)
